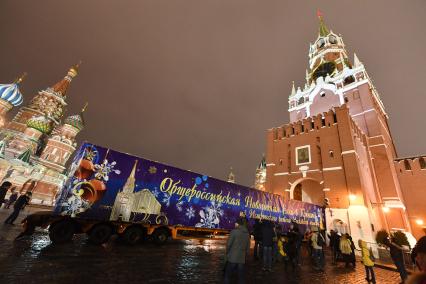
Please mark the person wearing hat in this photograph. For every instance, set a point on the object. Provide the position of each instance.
(237, 248)
(20, 204)
(418, 256)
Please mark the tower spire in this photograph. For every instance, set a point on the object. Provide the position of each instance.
(21, 78)
(231, 176)
(323, 30)
(129, 187)
(62, 86)
(293, 90)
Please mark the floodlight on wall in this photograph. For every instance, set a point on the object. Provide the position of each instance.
(352, 197)
(326, 189)
(419, 222)
(385, 209)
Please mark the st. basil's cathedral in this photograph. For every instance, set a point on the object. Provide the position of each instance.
(36, 144)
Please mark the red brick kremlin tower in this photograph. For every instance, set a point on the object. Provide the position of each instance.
(338, 146)
(36, 144)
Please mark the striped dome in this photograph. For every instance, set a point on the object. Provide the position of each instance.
(40, 123)
(75, 121)
(11, 93)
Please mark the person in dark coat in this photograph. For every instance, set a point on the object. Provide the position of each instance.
(237, 248)
(4, 187)
(12, 198)
(297, 237)
(291, 248)
(20, 204)
(268, 235)
(257, 234)
(352, 257)
(397, 256)
(333, 237)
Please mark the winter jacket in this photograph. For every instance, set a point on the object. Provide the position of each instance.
(314, 240)
(345, 246)
(21, 202)
(238, 245)
(268, 235)
(281, 248)
(3, 192)
(366, 258)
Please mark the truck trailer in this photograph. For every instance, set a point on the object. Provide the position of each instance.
(108, 192)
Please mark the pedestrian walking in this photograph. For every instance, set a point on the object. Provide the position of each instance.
(397, 256)
(368, 261)
(345, 249)
(4, 187)
(317, 249)
(291, 249)
(295, 233)
(268, 243)
(237, 248)
(20, 204)
(419, 254)
(352, 257)
(334, 238)
(12, 198)
(257, 234)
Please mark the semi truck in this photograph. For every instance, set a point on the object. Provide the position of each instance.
(109, 193)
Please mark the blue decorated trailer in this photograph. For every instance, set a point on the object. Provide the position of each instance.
(108, 192)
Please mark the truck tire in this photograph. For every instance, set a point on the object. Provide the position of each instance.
(133, 235)
(61, 232)
(100, 234)
(160, 236)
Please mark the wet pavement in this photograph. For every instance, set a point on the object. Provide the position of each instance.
(36, 260)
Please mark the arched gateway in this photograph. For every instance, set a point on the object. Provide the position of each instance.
(307, 190)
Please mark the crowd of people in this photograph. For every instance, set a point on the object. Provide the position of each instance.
(274, 245)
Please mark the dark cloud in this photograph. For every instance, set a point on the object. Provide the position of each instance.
(196, 83)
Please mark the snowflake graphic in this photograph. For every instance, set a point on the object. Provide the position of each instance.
(210, 215)
(166, 199)
(152, 170)
(156, 193)
(179, 206)
(190, 212)
(103, 170)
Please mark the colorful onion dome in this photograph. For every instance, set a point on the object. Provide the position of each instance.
(77, 120)
(11, 92)
(41, 123)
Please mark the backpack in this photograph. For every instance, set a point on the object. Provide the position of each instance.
(320, 240)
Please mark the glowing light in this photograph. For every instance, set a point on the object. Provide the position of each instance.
(419, 222)
(352, 197)
(385, 209)
(326, 189)
(288, 190)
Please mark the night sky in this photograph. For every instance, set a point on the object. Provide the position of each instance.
(196, 83)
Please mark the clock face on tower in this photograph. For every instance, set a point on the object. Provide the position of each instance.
(324, 69)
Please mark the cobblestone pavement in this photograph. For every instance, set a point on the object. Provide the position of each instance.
(36, 260)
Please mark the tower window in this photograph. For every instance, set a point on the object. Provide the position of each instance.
(349, 80)
(322, 94)
(281, 162)
(356, 95)
(422, 163)
(331, 154)
(332, 39)
(301, 100)
(407, 165)
(346, 99)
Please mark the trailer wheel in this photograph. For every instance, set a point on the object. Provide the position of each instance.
(61, 232)
(160, 236)
(100, 234)
(133, 235)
